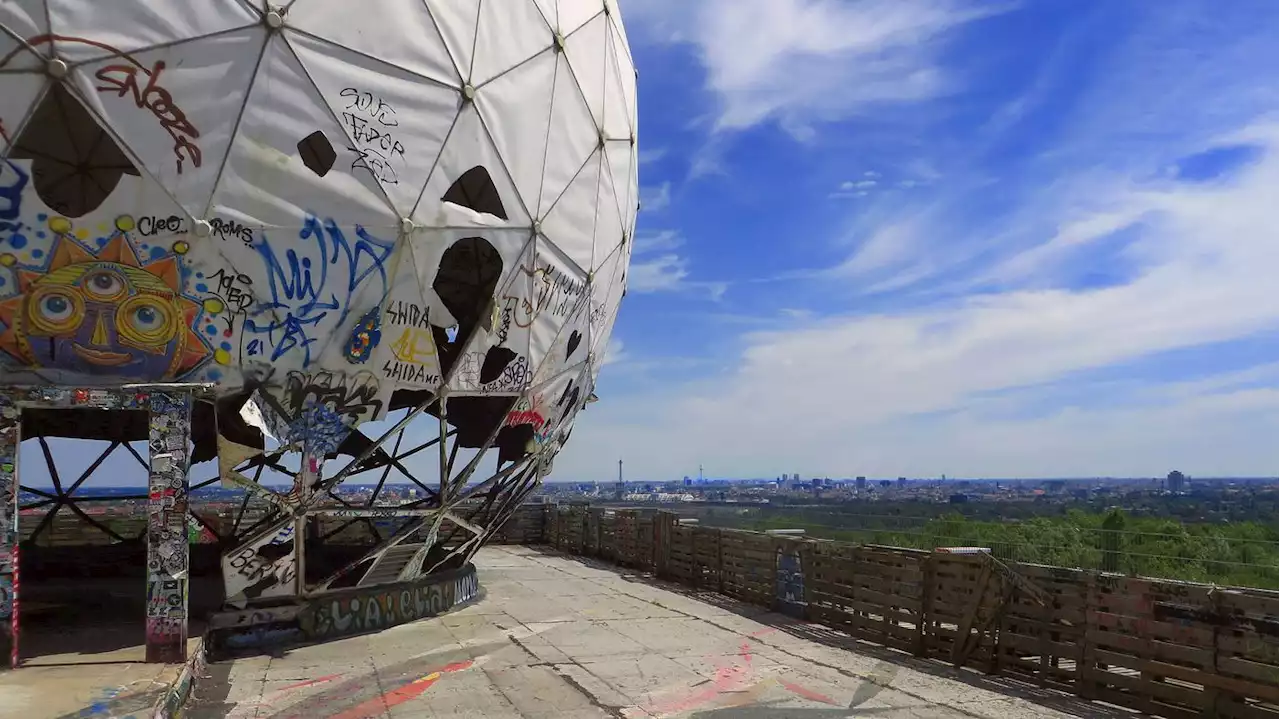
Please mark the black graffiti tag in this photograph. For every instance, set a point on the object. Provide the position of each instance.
(367, 119)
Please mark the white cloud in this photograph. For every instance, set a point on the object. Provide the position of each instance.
(651, 154)
(910, 391)
(655, 199)
(805, 61)
(614, 352)
(655, 241)
(850, 186)
(662, 273)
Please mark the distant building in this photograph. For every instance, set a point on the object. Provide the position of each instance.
(1176, 481)
(861, 484)
(902, 482)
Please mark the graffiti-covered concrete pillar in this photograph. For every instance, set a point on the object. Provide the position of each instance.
(167, 547)
(10, 437)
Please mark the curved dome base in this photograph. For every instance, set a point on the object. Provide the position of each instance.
(342, 613)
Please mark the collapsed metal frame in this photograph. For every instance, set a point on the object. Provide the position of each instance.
(267, 564)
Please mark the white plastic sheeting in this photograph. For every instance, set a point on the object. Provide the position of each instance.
(232, 192)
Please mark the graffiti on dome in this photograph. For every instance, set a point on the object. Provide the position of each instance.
(371, 123)
(310, 283)
(103, 311)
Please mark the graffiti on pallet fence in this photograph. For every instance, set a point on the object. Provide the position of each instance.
(381, 608)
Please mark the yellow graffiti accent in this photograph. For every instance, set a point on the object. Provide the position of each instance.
(222, 357)
(213, 305)
(181, 248)
(415, 345)
(125, 223)
(60, 225)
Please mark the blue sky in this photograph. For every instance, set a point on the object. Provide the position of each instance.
(984, 239)
(894, 238)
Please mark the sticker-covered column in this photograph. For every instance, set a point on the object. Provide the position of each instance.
(10, 436)
(167, 547)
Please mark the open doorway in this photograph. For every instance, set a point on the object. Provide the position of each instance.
(82, 527)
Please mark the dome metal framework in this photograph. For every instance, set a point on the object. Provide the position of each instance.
(243, 231)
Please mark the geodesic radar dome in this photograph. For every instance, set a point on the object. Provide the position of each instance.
(357, 206)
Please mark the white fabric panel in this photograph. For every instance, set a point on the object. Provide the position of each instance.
(619, 91)
(561, 292)
(23, 19)
(575, 13)
(516, 108)
(399, 32)
(469, 145)
(608, 226)
(21, 93)
(509, 32)
(548, 405)
(586, 50)
(498, 327)
(456, 22)
(395, 125)
(573, 134)
(549, 12)
(606, 295)
(619, 156)
(265, 181)
(407, 353)
(183, 148)
(87, 29)
(571, 222)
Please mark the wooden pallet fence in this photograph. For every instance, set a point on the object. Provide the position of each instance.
(1165, 648)
(1045, 643)
(748, 567)
(707, 559)
(608, 536)
(626, 527)
(1245, 650)
(965, 599)
(680, 562)
(871, 593)
(591, 543)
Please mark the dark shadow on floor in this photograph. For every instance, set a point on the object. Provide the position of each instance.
(819, 634)
(95, 619)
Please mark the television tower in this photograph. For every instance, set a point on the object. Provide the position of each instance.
(619, 490)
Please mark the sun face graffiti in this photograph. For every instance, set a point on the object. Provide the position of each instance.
(103, 313)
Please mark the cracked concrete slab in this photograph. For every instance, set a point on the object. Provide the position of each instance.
(558, 636)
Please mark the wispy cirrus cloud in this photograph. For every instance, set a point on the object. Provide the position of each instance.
(798, 62)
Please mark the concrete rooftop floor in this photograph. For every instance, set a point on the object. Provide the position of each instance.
(567, 638)
(564, 637)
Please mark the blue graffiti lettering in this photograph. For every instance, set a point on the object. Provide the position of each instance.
(13, 180)
(304, 288)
